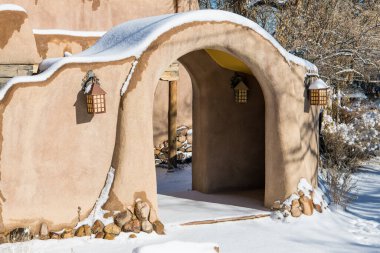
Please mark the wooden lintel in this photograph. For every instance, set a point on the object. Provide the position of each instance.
(171, 73)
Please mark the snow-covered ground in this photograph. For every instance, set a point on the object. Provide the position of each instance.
(355, 230)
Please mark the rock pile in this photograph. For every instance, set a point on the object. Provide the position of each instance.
(140, 217)
(184, 147)
(305, 201)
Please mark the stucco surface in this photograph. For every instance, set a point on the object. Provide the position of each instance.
(55, 156)
(17, 43)
(52, 46)
(94, 15)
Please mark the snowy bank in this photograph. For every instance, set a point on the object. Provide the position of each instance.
(69, 32)
(178, 246)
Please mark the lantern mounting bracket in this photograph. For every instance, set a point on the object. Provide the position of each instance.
(309, 76)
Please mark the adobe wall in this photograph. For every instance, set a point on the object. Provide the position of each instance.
(94, 15)
(17, 45)
(53, 46)
(54, 156)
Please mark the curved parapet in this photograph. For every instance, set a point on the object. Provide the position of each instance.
(60, 150)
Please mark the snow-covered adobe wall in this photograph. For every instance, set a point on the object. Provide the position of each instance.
(58, 25)
(17, 45)
(95, 15)
(55, 156)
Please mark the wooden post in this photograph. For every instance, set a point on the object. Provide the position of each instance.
(171, 74)
(172, 125)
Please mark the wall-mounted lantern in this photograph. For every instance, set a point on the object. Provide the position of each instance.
(240, 89)
(241, 93)
(95, 96)
(318, 92)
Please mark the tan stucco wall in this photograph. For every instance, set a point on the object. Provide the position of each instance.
(18, 46)
(52, 46)
(55, 156)
(94, 15)
(17, 43)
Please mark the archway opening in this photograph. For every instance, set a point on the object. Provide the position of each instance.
(226, 139)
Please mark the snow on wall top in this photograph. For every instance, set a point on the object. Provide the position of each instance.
(134, 37)
(69, 33)
(11, 7)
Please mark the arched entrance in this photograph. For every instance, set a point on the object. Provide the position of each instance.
(289, 152)
(228, 137)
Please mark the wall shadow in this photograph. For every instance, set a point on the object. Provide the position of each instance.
(81, 109)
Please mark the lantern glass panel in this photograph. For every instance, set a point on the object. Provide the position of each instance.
(241, 96)
(89, 104)
(318, 97)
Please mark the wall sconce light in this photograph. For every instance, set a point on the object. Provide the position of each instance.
(317, 90)
(95, 96)
(240, 89)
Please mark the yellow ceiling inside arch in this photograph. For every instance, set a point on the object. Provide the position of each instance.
(228, 61)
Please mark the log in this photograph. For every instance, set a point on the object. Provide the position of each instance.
(181, 139)
(189, 139)
(172, 123)
(182, 131)
(157, 151)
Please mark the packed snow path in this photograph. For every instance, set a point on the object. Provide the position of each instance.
(335, 231)
(366, 227)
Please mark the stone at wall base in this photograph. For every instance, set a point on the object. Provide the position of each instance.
(158, 227)
(83, 230)
(20, 235)
(97, 227)
(112, 229)
(108, 236)
(146, 226)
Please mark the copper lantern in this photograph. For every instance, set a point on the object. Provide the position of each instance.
(241, 93)
(95, 96)
(318, 92)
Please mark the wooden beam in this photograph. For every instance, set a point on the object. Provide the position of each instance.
(172, 125)
(171, 73)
